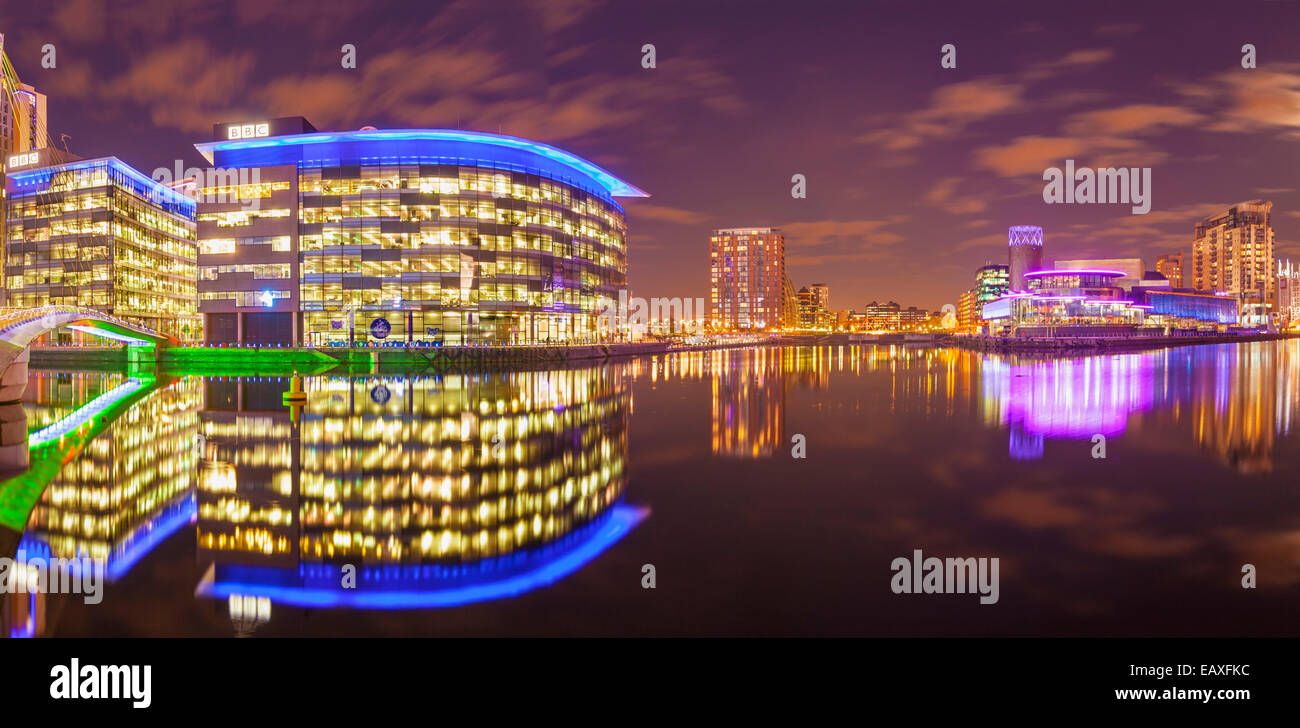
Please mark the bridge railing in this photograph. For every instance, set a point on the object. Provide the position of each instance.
(11, 317)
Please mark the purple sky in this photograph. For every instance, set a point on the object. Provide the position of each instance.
(914, 172)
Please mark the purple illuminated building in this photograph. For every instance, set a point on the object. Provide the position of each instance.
(1024, 253)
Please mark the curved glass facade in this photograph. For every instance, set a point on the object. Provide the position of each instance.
(455, 254)
(413, 237)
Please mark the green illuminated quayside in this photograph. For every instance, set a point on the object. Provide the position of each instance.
(276, 361)
(303, 360)
(233, 361)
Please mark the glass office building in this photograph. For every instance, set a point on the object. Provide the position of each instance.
(1188, 308)
(409, 236)
(98, 233)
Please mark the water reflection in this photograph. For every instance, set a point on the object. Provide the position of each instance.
(401, 492)
(1066, 398)
(1238, 398)
(410, 491)
(112, 474)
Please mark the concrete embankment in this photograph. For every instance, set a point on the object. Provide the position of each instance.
(1084, 345)
(98, 357)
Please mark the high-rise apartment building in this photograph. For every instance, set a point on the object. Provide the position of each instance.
(22, 112)
(1171, 267)
(1288, 292)
(821, 294)
(98, 233)
(749, 285)
(22, 132)
(1233, 253)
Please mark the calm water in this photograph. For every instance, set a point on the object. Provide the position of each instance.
(528, 503)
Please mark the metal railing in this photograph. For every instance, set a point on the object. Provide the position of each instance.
(11, 317)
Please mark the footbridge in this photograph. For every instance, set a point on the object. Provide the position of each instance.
(19, 327)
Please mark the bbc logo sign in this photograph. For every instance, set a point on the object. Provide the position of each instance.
(248, 131)
(22, 160)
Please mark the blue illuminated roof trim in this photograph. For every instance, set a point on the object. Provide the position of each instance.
(407, 143)
(410, 591)
(37, 179)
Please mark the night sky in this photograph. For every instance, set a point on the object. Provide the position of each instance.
(914, 172)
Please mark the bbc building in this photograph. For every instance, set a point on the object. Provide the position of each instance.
(423, 236)
(99, 234)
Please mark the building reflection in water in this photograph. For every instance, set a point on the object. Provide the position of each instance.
(128, 488)
(437, 490)
(1247, 399)
(1066, 398)
(1237, 399)
(749, 389)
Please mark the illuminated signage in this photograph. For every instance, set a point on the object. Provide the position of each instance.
(1001, 308)
(248, 131)
(22, 160)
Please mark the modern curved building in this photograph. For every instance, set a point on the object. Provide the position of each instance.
(417, 236)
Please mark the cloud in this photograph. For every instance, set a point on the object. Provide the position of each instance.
(181, 84)
(480, 88)
(952, 108)
(451, 70)
(1027, 155)
(663, 213)
(1072, 61)
(1131, 119)
(1033, 509)
(805, 235)
(1156, 232)
(81, 20)
(943, 194)
(955, 107)
(798, 260)
(1259, 99)
(558, 15)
